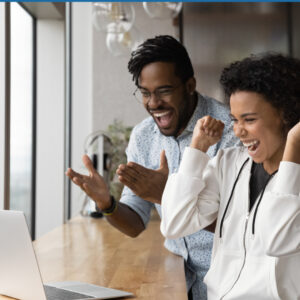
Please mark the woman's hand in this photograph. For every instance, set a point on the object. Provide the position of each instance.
(292, 147)
(207, 132)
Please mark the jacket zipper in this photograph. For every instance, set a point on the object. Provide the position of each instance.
(230, 197)
(245, 253)
(246, 225)
(244, 244)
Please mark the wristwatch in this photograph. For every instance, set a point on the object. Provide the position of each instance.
(110, 210)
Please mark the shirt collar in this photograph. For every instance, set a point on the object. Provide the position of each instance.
(199, 112)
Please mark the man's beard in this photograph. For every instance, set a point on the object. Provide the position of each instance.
(183, 116)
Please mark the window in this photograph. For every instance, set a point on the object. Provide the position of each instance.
(22, 91)
(31, 160)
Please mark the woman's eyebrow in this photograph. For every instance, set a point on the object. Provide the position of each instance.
(243, 115)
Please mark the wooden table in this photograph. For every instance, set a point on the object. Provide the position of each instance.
(91, 250)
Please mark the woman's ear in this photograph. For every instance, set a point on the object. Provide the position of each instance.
(191, 85)
(284, 123)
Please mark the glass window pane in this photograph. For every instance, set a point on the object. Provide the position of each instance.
(21, 110)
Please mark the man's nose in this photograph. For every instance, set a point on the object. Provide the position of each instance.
(154, 101)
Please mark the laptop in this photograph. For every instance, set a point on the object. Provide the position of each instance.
(19, 272)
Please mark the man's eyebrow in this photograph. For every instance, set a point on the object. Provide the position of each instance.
(243, 115)
(158, 88)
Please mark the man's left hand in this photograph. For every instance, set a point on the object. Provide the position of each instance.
(146, 183)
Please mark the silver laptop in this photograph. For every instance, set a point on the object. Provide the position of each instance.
(19, 272)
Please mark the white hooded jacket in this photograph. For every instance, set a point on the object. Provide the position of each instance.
(256, 254)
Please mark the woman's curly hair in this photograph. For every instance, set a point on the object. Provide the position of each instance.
(275, 76)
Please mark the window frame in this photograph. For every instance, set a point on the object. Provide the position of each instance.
(8, 114)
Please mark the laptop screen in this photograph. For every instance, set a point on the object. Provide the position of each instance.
(19, 273)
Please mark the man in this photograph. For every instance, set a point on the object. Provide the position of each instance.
(165, 82)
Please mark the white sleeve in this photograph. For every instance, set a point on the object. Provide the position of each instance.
(281, 207)
(190, 200)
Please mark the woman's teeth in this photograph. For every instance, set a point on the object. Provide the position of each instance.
(250, 143)
(252, 146)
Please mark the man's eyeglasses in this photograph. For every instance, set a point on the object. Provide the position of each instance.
(163, 93)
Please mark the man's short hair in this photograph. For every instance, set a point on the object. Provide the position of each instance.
(163, 48)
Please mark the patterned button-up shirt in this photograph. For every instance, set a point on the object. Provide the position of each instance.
(146, 143)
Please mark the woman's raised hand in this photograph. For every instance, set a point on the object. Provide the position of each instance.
(207, 132)
(292, 146)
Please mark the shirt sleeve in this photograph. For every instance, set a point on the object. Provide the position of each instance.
(139, 205)
(281, 207)
(191, 197)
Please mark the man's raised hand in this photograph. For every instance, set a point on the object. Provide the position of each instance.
(93, 184)
(146, 183)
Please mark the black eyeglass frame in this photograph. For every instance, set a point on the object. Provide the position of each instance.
(160, 93)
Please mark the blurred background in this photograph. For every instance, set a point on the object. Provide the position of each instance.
(64, 78)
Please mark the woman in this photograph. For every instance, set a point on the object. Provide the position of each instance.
(253, 192)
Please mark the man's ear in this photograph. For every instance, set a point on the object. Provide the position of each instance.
(191, 85)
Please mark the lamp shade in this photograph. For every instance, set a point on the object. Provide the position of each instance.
(120, 44)
(106, 13)
(162, 10)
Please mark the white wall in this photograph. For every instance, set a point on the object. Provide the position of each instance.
(50, 125)
(2, 102)
(82, 97)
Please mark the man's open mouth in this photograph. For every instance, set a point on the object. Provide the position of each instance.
(163, 119)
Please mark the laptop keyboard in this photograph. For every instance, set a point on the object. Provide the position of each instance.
(53, 293)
